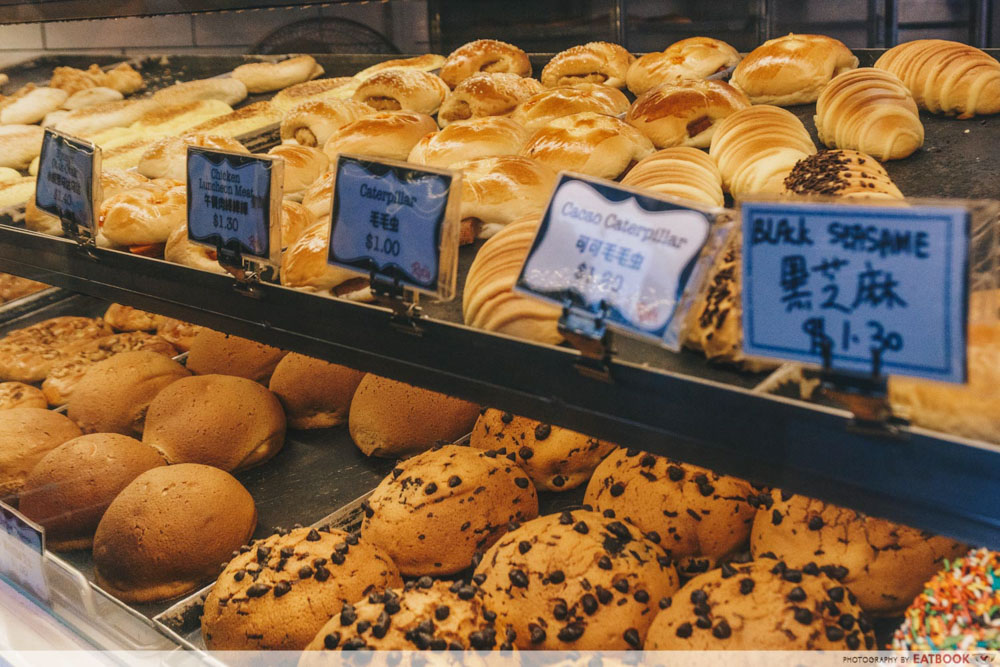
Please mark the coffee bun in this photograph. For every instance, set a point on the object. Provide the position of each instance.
(313, 392)
(311, 123)
(145, 215)
(691, 58)
(391, 419)
(27, 435)
(560, 101)
(166, 533)
(402, 90)
(594, 62)
(683, 172)
(167, 157)
(468, 140)
(21, 395)
(385, 134)
(68, 491)
(114, 394)
(484, 55)
(496, 191)
(265, 77)
(685, 113)
(486, 94)
(303, 165)
(218, 352)
(304, 265)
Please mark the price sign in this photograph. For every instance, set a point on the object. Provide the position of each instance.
(857, 286)
(22, 551)
(398, 221)
(615, 253)
(66, 185)
(234, 204)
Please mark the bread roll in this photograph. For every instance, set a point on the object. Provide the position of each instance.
(685, 113)
(594, 62)
(484, 55)
(113, 182)
(265, 77)
(21, 395)
(217, 352)
(338, 88)
(114, 394)
(555, 458)
(312, 123)
(318, 197)
(402, 90)
(7, 174)
(295, 220)
(313, 392)
(869, 110)
(391, 419)
(88, 98)
(946, 77)
(177, 333)
(251, 118)
(122, 78)
(127, 318)
(28, 354)
(128, 155)
(793, 69)
(303, 165)
(146, 214)
(683, 172)
(468, 140)
(14, 287)
(90, 121)
(14, 193)
(883, 563)
(427, 62)
(304, 266)
(32, 107)
(841, 173)
(180, 250)
(167, 157)
(486, 94)
(576, 581)
(496, 191)
(19, 145)
(297, 581)
(589, 143)
(68, 491)
(27, 435)
(553, 103)
(225, 89)
(756, 148)
(219, 420)
(146, 550)
(489, 301)
(691, 58)
(384, 134)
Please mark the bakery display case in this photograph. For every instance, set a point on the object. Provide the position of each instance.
(316, 409)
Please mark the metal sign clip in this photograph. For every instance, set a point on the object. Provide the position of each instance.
(588, 333)
(391, 294)
(865, 396)
(247, 273)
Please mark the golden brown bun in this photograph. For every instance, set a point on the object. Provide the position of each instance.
(90, 121)
(177, 333)
(683, 172)
(313, 392)
(946, 77)
(387, 134)
(427, 62)
(31, 107)
(841, 173)
(144, 215)
(576, 581)
(435, 511)
(180, 250)
(251, 118)
(469, 139)
(869, 110)
(391, 419)
(7, 174)
(13, 193)
(28, 354)
(792, 69)
(594, 62)
(295, 219)
(225, 89)
(166, 533)
(486, 94)
(302, 166)
(265, 77)
(312, 123)
(277, 593)
(122, 78)
(884, 564)
(589, 143)
(552, 103)
(691, 58)
(496, 191)
(318, 197)
(489, 301)
(114, 394)
(402, 90)
(555, 458)
(218, 352)
(68, 491)
(167, 157)
(337, 88)
(26, 435)
(699, 517)
(304, 266)
(484, 55)
(21, 395)
(127, 318)
(685, 113)
(20, 145)
(761, 606)
(755, 149)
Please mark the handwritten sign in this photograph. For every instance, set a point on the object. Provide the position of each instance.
(66, 185)
(616, 253)
(234, 204)
(397, 221)
(856, 286)
(22, 552)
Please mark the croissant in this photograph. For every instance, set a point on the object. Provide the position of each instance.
(683, 172)
(946, 77)
(869, 110)
(841, 173)
(755, 148)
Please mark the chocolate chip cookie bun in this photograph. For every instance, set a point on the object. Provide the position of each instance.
(426, 614)
(555, 458)
(885, 564)
(696, 515)
(278, 592)
(576, 581)
(436, 510)
(761, 606)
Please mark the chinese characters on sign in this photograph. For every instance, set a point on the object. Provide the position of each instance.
(858, 288)
(66, 186)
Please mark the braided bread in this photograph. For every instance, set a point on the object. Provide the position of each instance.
(683, 172)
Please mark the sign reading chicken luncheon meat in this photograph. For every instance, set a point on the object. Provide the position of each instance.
(66, 186)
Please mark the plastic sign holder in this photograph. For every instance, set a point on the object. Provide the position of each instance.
(398, 224)
(69, 184)
(614, 258)
(22, 552)
(234, 207)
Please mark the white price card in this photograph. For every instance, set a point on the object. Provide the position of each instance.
(22, 552)
(857, 288)
(618, 254)
(66, 186)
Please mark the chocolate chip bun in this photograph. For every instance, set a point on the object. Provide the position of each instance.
(217, 352)
(27, 435)
(313, 392)
(71, 487)
(696, 515)
(436, 510)
(167, 531)
(425, 614)
(279, 591)
(20, 395)
(885, 564)
(761, 606)
(576, 581)
(555, 458)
